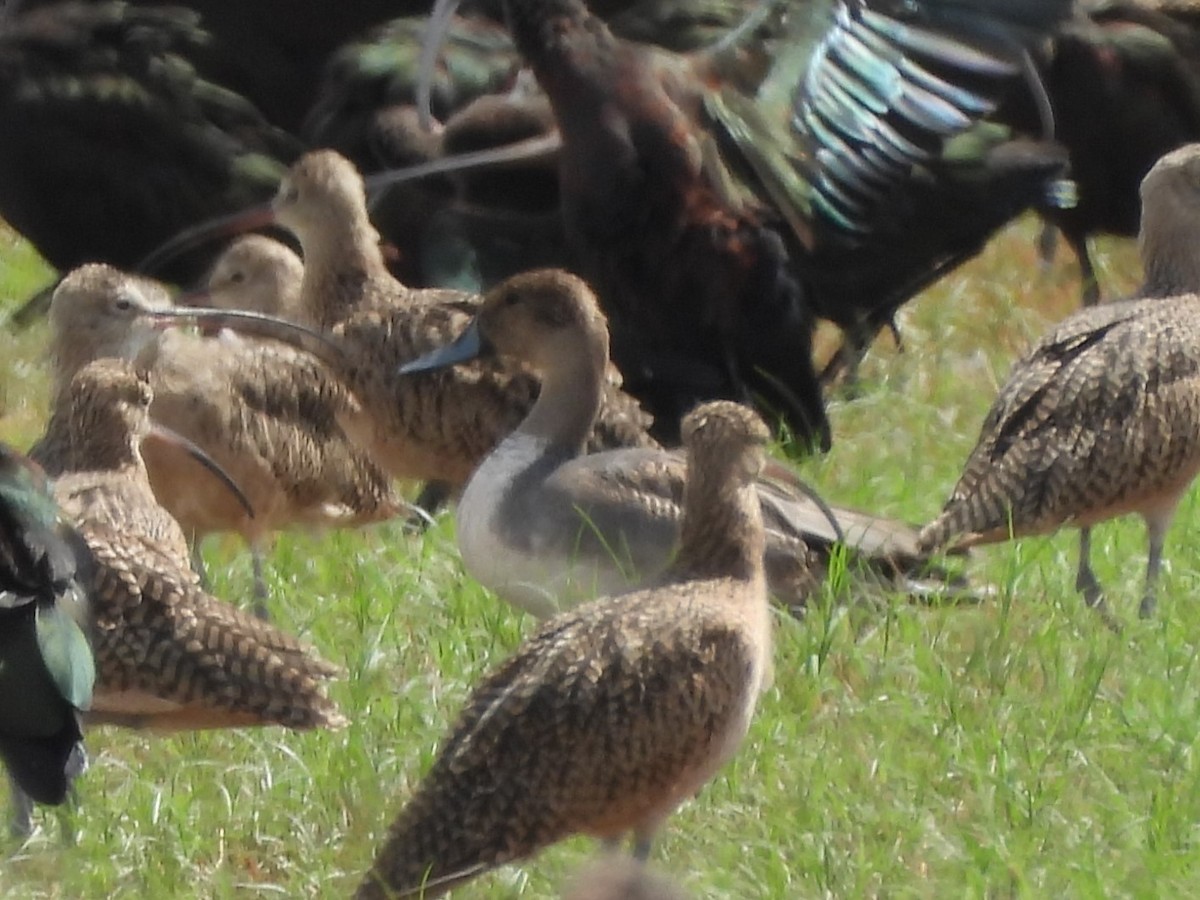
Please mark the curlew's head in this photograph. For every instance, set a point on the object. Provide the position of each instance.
(97, 311)
(321, 188)
(722, 534)
(548, 319)
(1170, 231)
(726, 441)
(255, 273)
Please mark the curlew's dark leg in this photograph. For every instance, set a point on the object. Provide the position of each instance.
(1090, 285)
(1156, 532)
(1087, 584)
(642, 843)
(21, 825)
(260, 585)
(1047, 245)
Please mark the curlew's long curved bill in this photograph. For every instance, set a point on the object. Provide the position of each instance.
(173, 438)
(467, 346)
(213, 229)
(255, 324)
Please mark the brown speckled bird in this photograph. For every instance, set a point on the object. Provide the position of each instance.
(435, 427)
(1102, 418)
(268, 414)
(613, 714)
(168, 655)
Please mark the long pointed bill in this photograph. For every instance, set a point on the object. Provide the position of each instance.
(467, 346)
(255, 324)
(173, 438)
(210, 230)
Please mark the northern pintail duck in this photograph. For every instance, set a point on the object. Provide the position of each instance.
(545, 526)
(611, 715)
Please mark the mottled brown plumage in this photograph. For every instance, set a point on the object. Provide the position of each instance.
(266, 413)
(168, 655)
(611, 715)
(1102, 418)
(435, 427)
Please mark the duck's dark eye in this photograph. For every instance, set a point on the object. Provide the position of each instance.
(512, 299)
(237, 277)
(123, 304)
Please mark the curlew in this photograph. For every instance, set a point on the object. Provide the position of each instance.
(609, 716)
(545, 526)
(256, 273)
(1102, 418)
(436, 427)
(169, 656)
(267, 414)
(46, 665)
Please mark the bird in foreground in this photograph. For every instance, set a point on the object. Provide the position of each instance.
(267, 414)
(169, 656)
(611, 715)
(546, 526)
(1102, 417)
(46, 665)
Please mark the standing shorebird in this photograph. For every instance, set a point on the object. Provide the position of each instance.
(1102, 418)
(609, 716)
(268, 415)
(436, 427)
(546, 526)
(169, 656)
(46, 666)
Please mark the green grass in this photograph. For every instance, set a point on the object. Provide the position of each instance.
(1013, 749)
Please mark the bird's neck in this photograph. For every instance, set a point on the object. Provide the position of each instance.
(722, 534)
(1171, 265)
(569, 401)
(338, 267)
